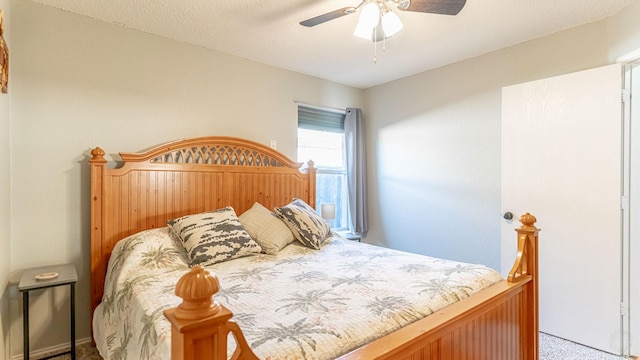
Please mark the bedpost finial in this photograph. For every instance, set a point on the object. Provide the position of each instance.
(196, 288)
(528, 222)
(528, 219)
(311, 164)
(97, 154)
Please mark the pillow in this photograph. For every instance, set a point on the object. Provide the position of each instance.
(307, 226)
(214, 236)
(266, 229)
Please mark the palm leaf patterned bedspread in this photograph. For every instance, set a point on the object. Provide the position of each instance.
(299, 304)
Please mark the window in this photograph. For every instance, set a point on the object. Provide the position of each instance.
(321, 139)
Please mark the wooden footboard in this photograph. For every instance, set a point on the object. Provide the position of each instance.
(500, 322)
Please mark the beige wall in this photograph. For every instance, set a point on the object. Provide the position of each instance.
(434, 140)
(80, 83)
(5, 197)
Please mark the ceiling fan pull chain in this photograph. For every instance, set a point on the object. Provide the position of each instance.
(375, 51)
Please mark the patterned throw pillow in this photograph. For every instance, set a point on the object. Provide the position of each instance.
(214, 236)
(307, 226)
(266, 229)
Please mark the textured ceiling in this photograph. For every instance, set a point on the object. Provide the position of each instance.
(267, 31)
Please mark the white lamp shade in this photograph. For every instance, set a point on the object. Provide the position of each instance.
(363, 32)
(391, 24)
(370, 15)
(328, 211)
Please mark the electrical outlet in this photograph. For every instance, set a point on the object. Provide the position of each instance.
(274, 144)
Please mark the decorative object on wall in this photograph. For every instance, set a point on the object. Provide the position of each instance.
(4, 58)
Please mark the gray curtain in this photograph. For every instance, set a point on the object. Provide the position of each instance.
(356, 170)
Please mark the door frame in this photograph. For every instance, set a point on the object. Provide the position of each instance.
(630, 301)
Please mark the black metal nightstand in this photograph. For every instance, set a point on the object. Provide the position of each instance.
(42, 278)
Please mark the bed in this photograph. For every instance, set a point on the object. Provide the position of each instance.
(131, 205)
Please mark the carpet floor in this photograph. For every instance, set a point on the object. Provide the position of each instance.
(551, 348)
(83, 352)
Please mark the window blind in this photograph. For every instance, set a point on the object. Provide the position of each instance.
(318, 119)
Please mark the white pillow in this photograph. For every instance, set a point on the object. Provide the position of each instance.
(266, 229)
(214, 236)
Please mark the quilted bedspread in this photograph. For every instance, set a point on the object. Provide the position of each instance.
(299, 304)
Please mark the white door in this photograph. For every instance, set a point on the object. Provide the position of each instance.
(561, 161)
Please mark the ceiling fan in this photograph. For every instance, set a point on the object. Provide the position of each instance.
(444, 7)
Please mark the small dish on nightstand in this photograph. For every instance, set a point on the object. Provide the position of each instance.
(47, 276)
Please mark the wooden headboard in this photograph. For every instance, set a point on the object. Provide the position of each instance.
(185, 177)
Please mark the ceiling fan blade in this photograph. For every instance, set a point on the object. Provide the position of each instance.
(444, 7)
(328, 16)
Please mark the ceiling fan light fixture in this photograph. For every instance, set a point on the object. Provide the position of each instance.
(391, 23)
(404, 4)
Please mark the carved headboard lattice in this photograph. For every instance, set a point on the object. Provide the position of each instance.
(218, 155)
(185, 177)
(215, 150)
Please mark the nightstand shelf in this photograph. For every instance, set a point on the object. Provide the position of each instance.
(353, 237)
(66, 275)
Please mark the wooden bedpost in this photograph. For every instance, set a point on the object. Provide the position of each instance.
(200, 326)
(526, 266)
(311, 170)
(98, 264)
